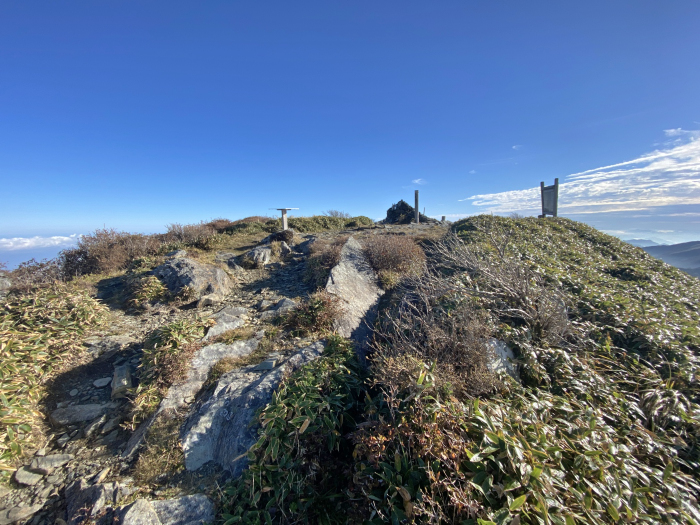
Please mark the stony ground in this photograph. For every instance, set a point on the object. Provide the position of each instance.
(84, 461)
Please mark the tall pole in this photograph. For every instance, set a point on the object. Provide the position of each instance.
(417, 211)
(284, 219)
(556, 196)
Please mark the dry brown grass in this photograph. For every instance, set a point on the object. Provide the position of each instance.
(393, 257)
(434, 326)
(323, 256)
(162, 455)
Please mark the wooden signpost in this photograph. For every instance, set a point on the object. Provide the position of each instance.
(550, 199)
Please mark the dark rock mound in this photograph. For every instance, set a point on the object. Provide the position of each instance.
(403, 213)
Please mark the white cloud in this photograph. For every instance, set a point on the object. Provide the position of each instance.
(472, 172)
(418, 181)
(518, 146)
(28, 243)
(665, 177)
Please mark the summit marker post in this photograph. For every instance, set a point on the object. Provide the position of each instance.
(284, 215)
(417, 210)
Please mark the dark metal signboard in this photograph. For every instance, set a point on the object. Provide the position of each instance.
(550, 198)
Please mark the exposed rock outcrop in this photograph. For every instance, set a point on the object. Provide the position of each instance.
(209, 283)
(227, 319)
(220, 430)
(354, 282)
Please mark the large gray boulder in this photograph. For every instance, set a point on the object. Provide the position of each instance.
(354, 282)
(209, 283)
(257, 257)
(282, 307)
(223, 428)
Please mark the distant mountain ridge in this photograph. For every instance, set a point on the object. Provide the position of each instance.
(685, 255)
(642, 243)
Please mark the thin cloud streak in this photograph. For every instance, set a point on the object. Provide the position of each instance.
(30, 243)
(665, 177)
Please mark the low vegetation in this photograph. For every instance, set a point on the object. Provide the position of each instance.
(316, 315)
(38, 333)
(301, 467)
(603, 427)
(324, 254)
(166, 356)
(394, 257)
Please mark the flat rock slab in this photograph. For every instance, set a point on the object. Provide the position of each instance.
(101, 383)
(79, 413)
(18, 513)
(110, 344)
(227, 319)
(24, 476)
(204, 359)
(46, 464)
(221, 430)
(186, 510)
(354, 282)
(282, 307)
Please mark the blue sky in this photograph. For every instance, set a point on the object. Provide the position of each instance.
(134, 115)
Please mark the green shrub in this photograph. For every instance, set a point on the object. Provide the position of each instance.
(298, 470)
(36, 333)
(319, 223)
(166, 357)
(315, 315)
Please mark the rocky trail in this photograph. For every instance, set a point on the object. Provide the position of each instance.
(87, 471)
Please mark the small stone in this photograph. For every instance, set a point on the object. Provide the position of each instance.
(78, 413)
(47, 464)
(61, 442)
(192, 510)
(103, 382)
(112, 436)
(62, 404)
(24, 476)
(268, 364)
(74, 392)
(121, 382)
(40, 453)
(92, 427)
(111, 425)
(140, 512)
(101, 476)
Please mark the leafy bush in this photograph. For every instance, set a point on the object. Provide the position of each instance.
(315, 315)
(32, 274)
(37, 332)
(166, 357)
(393, 257)
(299, 468)
(319, 223)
